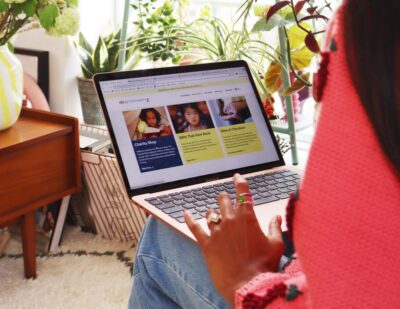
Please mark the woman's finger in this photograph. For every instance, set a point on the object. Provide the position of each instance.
(195, 228)
(274, 229)
(225, 205)
(244, 201)
(241, 184)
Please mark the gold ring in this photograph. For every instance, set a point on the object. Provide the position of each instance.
(214, 218)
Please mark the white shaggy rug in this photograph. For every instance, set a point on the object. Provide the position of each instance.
(85, 272)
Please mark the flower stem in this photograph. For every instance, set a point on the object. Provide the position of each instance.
(290, 61)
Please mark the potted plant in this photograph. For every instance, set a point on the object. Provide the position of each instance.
(157, 31)
(56, 17)
(99, 58)
(298, 47)
(296, 22)
(211, 39)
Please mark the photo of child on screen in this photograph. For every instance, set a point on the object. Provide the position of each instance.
(153, 128)
(195, 118)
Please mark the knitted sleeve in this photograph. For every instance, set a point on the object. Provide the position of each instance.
(275, 290)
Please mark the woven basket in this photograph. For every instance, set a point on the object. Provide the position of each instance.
(92, 113)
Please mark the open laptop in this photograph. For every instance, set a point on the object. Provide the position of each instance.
(180, 133)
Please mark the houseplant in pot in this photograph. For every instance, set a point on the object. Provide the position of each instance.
(99, 58)
(300, 24)
(156, 26)
(56, 17)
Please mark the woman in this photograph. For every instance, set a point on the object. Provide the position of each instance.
(344, 222)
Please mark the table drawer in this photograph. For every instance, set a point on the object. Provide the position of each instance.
(35, 173)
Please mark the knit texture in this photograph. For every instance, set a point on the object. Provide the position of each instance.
(274, 289)
(346, 221)
(346, 224)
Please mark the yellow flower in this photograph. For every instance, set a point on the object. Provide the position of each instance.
(142, 126)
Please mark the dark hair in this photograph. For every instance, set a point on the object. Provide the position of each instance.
(143, 114)
(192, 106)
(372, 32)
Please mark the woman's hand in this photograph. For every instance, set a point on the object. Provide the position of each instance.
(229, 117)
(237, 249)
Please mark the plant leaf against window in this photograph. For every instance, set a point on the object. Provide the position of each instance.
(275, 8)
(27, 7)
(273, 77)
(48, 15)
(311, 43)
(100, 55)
(296, 86)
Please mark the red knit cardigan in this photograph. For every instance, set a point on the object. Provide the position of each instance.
(346, 222)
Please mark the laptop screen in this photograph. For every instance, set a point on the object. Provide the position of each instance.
(173, 126)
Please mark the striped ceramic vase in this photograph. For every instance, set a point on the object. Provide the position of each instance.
(11, 79)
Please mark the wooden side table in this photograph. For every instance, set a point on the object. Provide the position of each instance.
(39, 164)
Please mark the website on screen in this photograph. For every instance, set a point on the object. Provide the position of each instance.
(178, 126)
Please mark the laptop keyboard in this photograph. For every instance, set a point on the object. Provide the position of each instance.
(265, 188)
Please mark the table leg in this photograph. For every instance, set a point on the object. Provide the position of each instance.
(29, 244)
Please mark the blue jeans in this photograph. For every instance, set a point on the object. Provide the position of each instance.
(170, 272)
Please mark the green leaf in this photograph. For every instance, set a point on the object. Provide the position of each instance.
(109, 39)
(47, 16)
(86, 73)
(28, 7)
(3, 6)
(100, 55)
(10, 46)
(167, 12)
(86, 60)
(113, 54)
(83, 43)
(274, 21)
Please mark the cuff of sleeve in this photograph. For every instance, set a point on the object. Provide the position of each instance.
(258, 286)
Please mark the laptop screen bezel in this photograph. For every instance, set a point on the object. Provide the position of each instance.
(173, 70)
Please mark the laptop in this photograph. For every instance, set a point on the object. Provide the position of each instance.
(180, 133)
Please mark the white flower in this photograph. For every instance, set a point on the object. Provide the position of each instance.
(67, 23)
